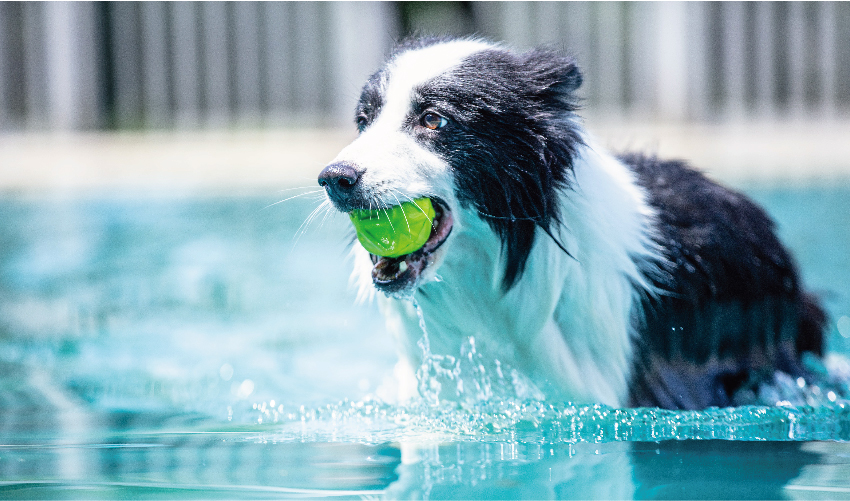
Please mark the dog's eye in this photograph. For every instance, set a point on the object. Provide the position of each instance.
(362, 122)
(433, 121)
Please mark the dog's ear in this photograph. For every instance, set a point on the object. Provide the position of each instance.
(555, 74)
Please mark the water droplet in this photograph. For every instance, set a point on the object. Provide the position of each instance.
(245, 389)
(844, 326)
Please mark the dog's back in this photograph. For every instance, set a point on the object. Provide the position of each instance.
(732, 312)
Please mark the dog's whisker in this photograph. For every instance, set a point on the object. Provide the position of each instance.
(383, 206)
(311, 187)
(294, 196)
(325, 218)
(302, 228)
(417, 206)
(326, 205)
(402, 212)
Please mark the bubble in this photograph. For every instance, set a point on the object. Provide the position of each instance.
(245, 389)
(226, 372)
(844, 326)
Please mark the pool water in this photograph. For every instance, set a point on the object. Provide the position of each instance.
(154, 346)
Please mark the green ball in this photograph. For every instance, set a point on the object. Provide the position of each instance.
(394, 231)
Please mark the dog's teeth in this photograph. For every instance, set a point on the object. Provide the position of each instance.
(402, 267)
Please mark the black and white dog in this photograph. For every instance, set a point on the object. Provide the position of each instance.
(617, 280)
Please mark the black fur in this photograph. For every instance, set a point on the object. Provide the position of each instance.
(733, 311)
(508, 140)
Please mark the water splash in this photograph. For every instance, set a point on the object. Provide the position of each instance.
(489, 410)
(534, 421)
(469, 378)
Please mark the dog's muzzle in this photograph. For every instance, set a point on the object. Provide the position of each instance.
(341, 181)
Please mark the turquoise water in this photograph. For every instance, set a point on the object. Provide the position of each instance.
(161, 347)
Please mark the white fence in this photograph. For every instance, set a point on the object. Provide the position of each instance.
(211, 64)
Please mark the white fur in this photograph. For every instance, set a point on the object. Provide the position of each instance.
(567, 322)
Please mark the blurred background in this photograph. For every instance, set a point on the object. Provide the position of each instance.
(164, 258)
(131, 65)
(740, 87)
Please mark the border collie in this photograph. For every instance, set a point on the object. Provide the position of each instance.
(621, 280)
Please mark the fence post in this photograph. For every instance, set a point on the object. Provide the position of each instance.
(246, 62)
(185, 81)
(734, 67)
(156, 67)
(217, 63)
(671, 78)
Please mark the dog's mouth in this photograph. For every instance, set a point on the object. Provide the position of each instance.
(397, 274)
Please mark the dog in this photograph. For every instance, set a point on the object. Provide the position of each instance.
(619, 280)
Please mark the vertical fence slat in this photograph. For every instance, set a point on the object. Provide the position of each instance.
(734, 58)
(155, 64)
(185, 81)
(89, 36)
(9, 64)
(126, 61)
(35, 77)
(13, 114)
(826, 53)
(671, 78)
(698, 95)
(842, 70)
(246, 60)
(277, 63)
(643, 60)
(309, 51)
(765, 53)
(61, 78)
(796, 30)
(610, 40)
(5, 64)
(216, 67)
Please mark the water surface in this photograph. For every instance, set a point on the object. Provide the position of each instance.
(162, 347)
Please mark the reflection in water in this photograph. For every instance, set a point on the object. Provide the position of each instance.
(248, 465)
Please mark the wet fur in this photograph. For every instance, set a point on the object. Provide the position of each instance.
(625, 281)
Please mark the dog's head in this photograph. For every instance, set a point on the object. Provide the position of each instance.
(471, 125)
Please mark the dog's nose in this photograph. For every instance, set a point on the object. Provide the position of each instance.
(339, 178)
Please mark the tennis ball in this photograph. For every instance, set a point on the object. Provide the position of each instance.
(394, 231)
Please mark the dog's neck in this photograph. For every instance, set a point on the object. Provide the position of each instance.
(567, 323)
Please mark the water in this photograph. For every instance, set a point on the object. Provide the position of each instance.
(156, 347)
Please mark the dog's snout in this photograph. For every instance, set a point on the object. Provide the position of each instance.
(339, 176)
(340, 180)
